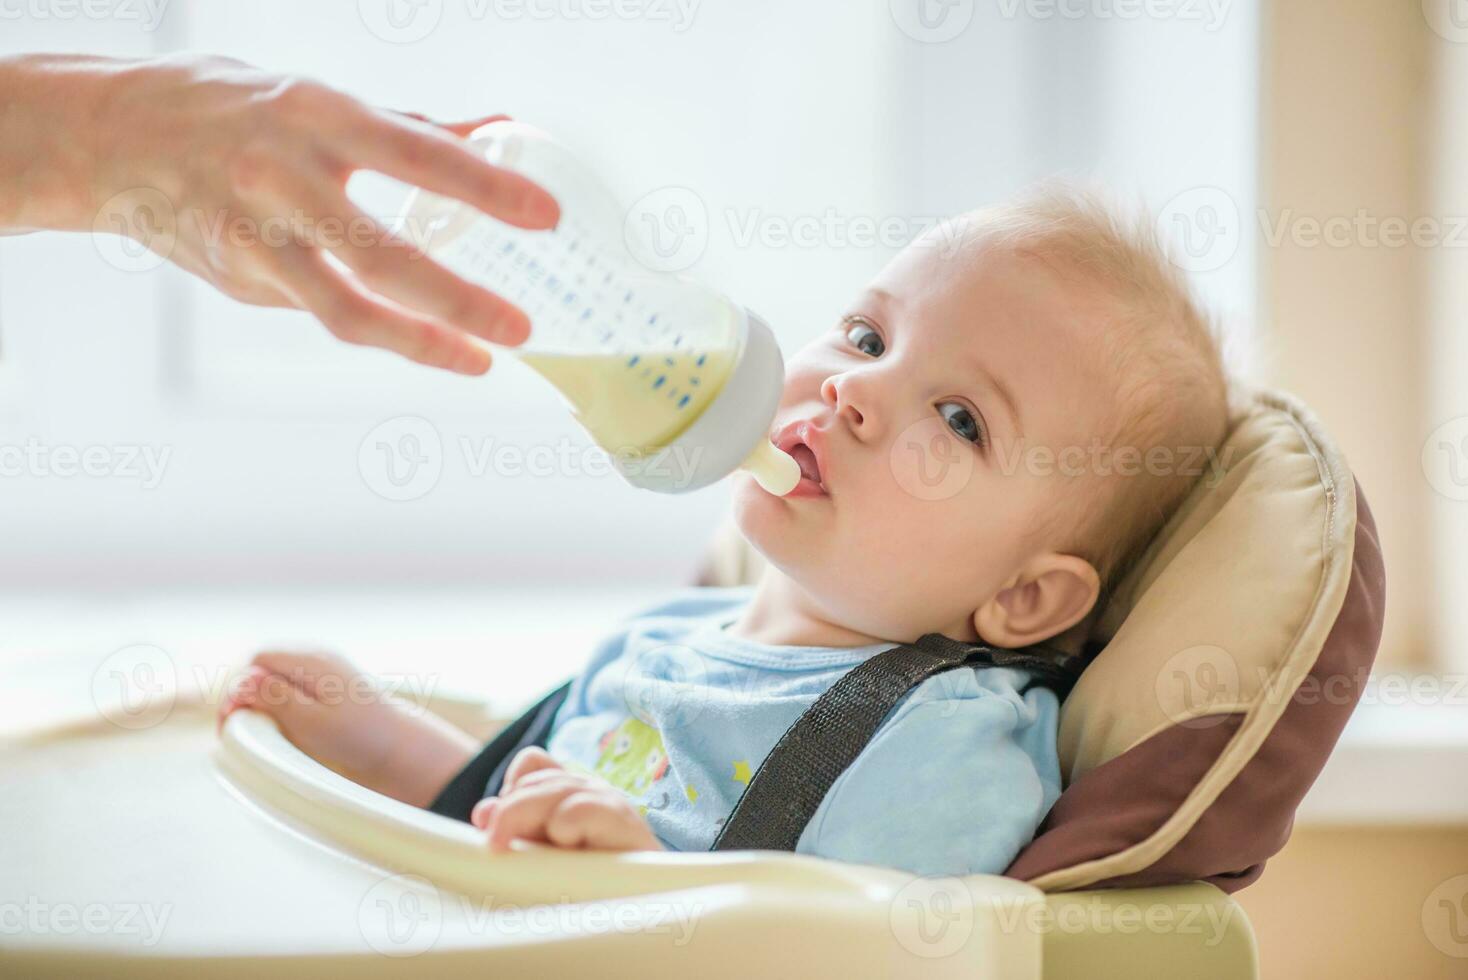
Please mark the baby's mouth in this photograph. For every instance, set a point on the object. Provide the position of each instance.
(811, 484)
(809, 468)
(805, 443)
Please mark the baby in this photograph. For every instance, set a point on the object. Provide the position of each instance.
(988, 437)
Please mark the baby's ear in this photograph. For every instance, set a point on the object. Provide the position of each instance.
(1050, 594)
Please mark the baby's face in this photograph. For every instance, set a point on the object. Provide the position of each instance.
(917, 408)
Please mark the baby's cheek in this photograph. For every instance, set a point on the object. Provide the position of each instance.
(927, 463)
(803, 380)
(752, 506)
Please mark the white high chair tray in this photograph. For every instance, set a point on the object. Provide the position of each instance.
(169, 851)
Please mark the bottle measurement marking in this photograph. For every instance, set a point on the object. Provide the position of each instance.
(520, 270)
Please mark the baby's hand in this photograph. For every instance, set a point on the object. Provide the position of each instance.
(542, 801)
(324, 705)
(340, 716)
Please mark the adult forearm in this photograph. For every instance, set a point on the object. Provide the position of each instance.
(55, 169)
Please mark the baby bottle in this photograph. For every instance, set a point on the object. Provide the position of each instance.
(677, 383)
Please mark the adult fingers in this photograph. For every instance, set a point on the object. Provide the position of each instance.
(402, 273)
(457, 128)
(357, 318)
(469, 125)
(425, 156)
(386, 264)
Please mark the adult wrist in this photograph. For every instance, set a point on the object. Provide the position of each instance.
(62, 156)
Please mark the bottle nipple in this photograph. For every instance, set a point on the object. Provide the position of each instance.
(777, 472)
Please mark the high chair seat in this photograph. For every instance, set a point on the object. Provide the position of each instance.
(1229, 659)
(1232, 656)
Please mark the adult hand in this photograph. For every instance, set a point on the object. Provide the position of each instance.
(239, 153)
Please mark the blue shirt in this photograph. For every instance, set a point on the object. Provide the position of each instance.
(678, 714)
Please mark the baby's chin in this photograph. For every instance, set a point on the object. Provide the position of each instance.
(780, 530)
(803, 561)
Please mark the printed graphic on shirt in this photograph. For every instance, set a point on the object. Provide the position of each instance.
(632, 757)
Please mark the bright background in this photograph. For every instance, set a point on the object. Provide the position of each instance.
(772, 113)
(1226, 117)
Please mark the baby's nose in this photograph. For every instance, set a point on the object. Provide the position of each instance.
(847, 396)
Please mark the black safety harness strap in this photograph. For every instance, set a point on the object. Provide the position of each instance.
(485, 773)
(787, 789)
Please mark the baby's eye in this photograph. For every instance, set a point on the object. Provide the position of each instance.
(865, 339)
(962, 422)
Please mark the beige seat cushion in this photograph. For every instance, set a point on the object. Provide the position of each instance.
(1235, 650)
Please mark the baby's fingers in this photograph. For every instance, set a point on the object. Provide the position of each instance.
(524, 814)
(526, 761)
(484, 812)
(305, 669)
(302, 719)
(243, 693)
(591, 819)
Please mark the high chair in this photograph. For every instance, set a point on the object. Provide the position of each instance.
(1227, 663)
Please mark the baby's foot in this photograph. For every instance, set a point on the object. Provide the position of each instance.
(340, 716)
